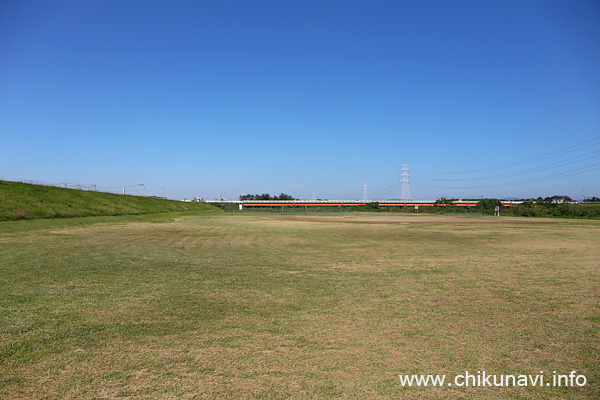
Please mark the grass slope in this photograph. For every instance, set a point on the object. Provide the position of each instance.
(26, 201)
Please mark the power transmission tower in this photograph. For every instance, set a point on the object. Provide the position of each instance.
(365, 192)
(405, 189)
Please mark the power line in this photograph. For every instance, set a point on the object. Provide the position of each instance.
(568, 161)
(566, 150)
(388, 188)
(571, 172)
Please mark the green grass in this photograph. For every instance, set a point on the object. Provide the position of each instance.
(26, 201)
(254, 306)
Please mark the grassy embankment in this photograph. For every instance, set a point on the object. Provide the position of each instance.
(257, 306)
(26, 201)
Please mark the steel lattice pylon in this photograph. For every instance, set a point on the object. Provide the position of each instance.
(405, 189)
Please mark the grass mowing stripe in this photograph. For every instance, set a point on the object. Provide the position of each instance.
(242, 306)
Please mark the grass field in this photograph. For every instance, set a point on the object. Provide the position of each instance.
(26, 201)
(259, 306)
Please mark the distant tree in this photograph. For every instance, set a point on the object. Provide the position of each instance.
(284, 196)
(443, 200)
(526, 209)
(368, 207)
(266, 196)
(489, 204)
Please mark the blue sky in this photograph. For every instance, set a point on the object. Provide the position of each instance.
(479, 98)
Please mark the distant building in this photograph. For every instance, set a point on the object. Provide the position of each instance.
(561, 199)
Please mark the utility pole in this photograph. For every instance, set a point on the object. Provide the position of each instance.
(482, 205)
(365, 193)
(405, 189)
(582, 196)
(142, 188)
(163, 192)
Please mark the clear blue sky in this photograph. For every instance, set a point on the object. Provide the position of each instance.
(223, 97)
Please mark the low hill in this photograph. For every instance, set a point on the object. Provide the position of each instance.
(27, 201)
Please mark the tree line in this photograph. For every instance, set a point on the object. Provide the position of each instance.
(266, 196)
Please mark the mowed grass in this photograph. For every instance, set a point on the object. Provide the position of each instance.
(23, 201)
(246, 306)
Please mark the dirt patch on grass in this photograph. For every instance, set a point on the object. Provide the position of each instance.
(403, 219)
(102, 227)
